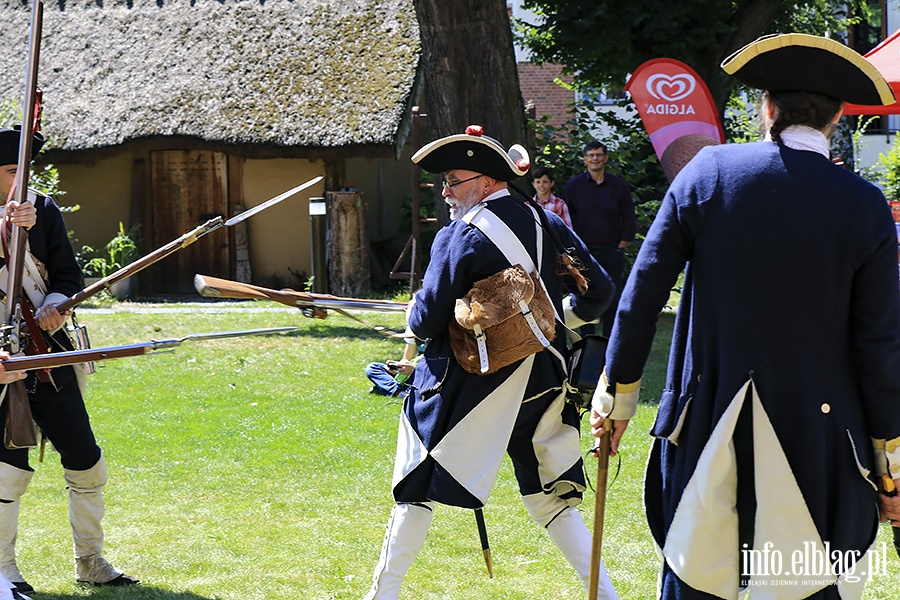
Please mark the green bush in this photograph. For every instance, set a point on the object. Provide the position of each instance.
(886, 172)
(120, 251)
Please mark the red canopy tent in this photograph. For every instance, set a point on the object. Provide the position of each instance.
(886, 58)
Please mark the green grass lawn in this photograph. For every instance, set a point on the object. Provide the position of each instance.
(260, 468)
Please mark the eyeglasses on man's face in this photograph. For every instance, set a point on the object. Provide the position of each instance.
(449, 184)
(593, 155)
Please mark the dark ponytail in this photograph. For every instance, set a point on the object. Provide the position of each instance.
(800, 108)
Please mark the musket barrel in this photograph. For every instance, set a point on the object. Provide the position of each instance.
(15, 261)
(182, 242)
(140, 264)
(352, 304)
(74, 357)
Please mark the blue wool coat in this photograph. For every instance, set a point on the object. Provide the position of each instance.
(444, 394)
(786, 346)
(49, 243)
(58, 410)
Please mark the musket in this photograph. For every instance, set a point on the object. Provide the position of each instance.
(213, 287)
(73, 357)
(19, 430)
(182, 242)
(15, 261)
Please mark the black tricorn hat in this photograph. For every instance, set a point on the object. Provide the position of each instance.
(9, 145)
(795, 62)
(475, 152)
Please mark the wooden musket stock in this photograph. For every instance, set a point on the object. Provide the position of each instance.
(213, 287)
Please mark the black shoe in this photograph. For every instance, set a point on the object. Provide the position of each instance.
(121, 580)
(23, 586)
(17, 595)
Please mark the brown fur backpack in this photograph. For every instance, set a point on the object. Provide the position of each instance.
(492, 329)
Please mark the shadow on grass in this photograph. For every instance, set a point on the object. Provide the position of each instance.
(139, 592)
(332, 331)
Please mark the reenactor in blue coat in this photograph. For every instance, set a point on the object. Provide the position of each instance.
(782, 400)
(457, 425)
(58, 406)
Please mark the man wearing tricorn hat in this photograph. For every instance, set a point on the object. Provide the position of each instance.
(52, 275)
(456, 425)
(782, 401)
(22, 216)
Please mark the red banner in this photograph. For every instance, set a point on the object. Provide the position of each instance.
(677, 110)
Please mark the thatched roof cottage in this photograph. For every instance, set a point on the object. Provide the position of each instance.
(164, 113)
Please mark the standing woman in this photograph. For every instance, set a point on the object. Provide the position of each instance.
(785, 358)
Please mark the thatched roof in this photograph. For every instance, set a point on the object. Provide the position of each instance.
(264, 77)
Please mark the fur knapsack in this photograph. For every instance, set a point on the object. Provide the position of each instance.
(502, 319)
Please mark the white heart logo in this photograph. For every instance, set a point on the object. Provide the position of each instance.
(671, 87)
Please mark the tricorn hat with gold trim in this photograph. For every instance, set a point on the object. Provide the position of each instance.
(794, 62)
(473, 151)
(9, 145)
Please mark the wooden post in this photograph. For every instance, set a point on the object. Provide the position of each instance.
(348, 245)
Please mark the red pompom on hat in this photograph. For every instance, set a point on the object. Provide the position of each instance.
(474, 130)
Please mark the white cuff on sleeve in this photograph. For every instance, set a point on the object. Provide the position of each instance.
(572, 320)
(54, 298)
(887, 457)
(619, 407)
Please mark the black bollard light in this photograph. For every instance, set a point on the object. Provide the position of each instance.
(318, 220)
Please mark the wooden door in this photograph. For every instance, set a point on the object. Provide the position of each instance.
(188, 188)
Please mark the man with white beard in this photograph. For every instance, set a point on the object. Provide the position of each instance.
(456, 425)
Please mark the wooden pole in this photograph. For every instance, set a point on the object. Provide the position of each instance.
(603, 443)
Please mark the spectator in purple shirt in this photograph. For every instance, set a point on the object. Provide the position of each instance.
(603, 217)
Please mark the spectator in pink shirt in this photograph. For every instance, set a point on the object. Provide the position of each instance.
(542, 181)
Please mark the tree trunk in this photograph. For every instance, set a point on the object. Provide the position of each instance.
(750, 21)
(470, 72)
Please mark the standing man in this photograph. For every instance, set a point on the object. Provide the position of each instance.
(57, 407)
(455, 426)
(603, 216)
(781, 409)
